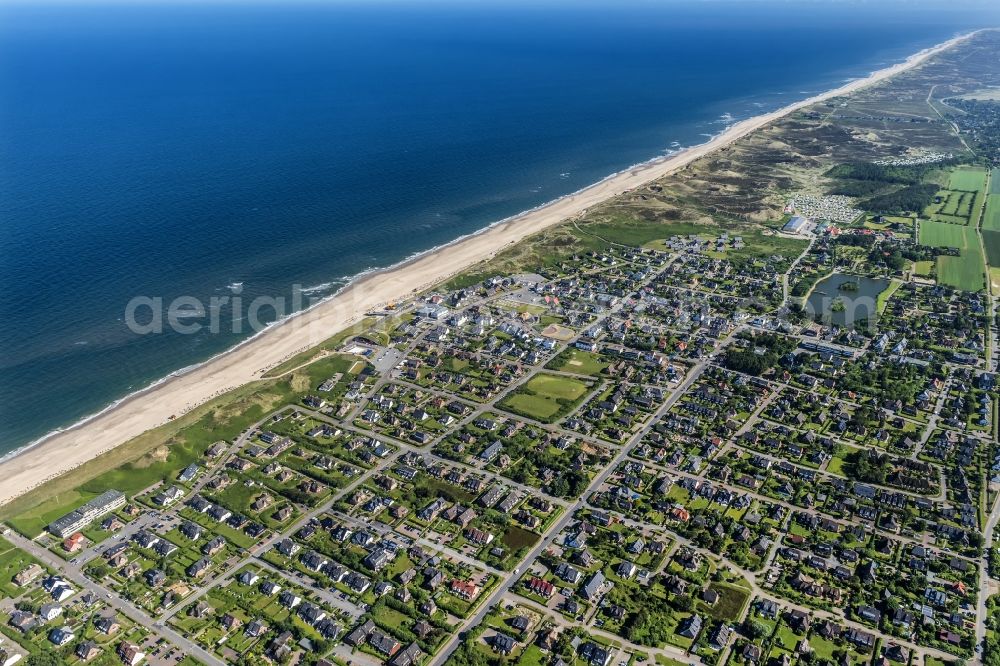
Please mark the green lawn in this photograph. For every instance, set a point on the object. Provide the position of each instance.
(546, 397)
(923, 268)
(578, 362)
(32, 521)
(388, 617)
(664, 660)
(532, 656)
(837, 462)
(12, 561)
(731, 601)
(822, 647)
(543, 409)
(553, 386)
(886, 294)
(529, 308)
(934, 661)
(787, 638)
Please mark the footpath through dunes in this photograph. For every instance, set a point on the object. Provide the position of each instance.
(246, 363)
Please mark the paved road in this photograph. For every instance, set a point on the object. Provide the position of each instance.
(547, 538)
(442, 656)
(987, 585)
(72, 572)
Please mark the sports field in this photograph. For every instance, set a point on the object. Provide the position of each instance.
(965, 271)
(546, 397)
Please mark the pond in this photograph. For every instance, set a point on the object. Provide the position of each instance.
(846, 299)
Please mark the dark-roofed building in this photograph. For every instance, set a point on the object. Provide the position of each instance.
(503, 643)
(690, 627)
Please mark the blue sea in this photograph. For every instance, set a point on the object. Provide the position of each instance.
(176, 149)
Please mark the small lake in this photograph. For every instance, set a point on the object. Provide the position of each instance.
(846, 299)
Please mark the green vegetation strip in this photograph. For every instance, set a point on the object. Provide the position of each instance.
(886, 294)
(164, 451)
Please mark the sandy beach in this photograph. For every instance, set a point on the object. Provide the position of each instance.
(63, 451)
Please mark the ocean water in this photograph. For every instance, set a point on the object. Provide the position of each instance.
(162, 151)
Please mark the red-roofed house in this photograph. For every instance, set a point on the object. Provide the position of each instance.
(73, 542)
(541, 587)
(464, 589)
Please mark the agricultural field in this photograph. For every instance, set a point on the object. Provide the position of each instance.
(953, 207)
(991, 241)
(937, 234)
(991, 222)
(991, 219)
(961, 202)
(967, 179)
(964, 271)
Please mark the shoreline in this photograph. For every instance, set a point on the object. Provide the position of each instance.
(62, 450)
(348, 282)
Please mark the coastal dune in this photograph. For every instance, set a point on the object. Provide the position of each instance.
(63, 451)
